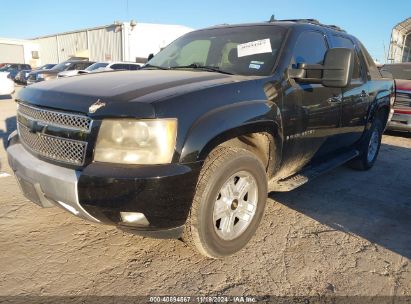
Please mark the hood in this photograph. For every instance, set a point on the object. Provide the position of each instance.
(403, 85)
(120, 91)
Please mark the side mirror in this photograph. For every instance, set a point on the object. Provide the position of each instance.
(335, 72)
(150, 57)
(338, 67)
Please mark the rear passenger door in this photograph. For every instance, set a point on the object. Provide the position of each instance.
(355, 101)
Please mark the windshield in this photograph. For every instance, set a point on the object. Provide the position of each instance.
(61, 66)
(97, 65)
(242, 50)
(398, 71)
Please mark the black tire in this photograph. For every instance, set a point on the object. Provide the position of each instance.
(200, 232)
(363, 161)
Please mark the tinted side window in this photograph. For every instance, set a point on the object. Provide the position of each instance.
(310, 48)
(118, 66)
(82, 65)
(372, 68)
(71, 67)
(344, 42)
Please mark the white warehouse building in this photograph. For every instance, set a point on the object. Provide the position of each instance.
(18, 51)
(120, 41)
(400, 44)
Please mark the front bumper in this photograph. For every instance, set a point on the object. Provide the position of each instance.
(400, 122)
(46, 184)
(162, 193)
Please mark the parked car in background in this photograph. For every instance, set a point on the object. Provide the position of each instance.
(22, 76)
(47, 66)
(401, 72)
(6, 85)
(75, 68)
(69, 65)
(94, 67)
(12, 69)
(110, 66)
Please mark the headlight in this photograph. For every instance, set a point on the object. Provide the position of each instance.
(130, 141)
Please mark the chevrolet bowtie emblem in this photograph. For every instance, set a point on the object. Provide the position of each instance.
(36, 126)
(32, 126)
(95, 106)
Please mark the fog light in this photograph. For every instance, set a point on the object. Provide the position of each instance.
(69, 208)
(134, 218)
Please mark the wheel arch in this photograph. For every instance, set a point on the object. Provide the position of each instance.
(380, 106)
(254, 126)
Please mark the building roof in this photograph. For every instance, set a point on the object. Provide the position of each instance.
(116, 23)
(404, 27)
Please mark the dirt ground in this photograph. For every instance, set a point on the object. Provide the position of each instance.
(346, 233)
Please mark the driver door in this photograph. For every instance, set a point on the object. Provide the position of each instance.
(313, 111)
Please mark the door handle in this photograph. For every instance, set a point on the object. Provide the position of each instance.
(364, 94)
(334, 99)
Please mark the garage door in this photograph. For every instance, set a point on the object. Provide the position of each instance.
(11, 53)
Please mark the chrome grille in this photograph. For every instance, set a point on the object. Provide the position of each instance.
(61, 119)
(402, 99)
(56, 148)
(402, 104)
(60, 149)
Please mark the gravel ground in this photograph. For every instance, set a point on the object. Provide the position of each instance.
(346, 233)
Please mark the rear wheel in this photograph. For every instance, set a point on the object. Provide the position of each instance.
(369, 148)
(229, 203)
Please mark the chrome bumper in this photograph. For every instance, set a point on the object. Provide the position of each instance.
(46, 184)
(401, 122)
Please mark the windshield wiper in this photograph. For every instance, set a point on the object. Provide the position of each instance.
(153, 67)
(201, 67)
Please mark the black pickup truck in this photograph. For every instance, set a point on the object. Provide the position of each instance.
(190, 145)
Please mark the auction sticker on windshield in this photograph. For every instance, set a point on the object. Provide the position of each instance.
(254, 47)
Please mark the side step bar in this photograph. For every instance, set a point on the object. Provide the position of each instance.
(299, 179)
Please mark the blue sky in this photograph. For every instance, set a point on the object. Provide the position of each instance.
(370, 21)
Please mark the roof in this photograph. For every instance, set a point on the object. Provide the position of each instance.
(286, 22)
(404, 27)
(311, 21)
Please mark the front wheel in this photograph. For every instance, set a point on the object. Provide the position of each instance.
(229, 202)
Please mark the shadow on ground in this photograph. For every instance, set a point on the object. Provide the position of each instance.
(374, 204)
(398, 134)
(10, 127)
(4, 97)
